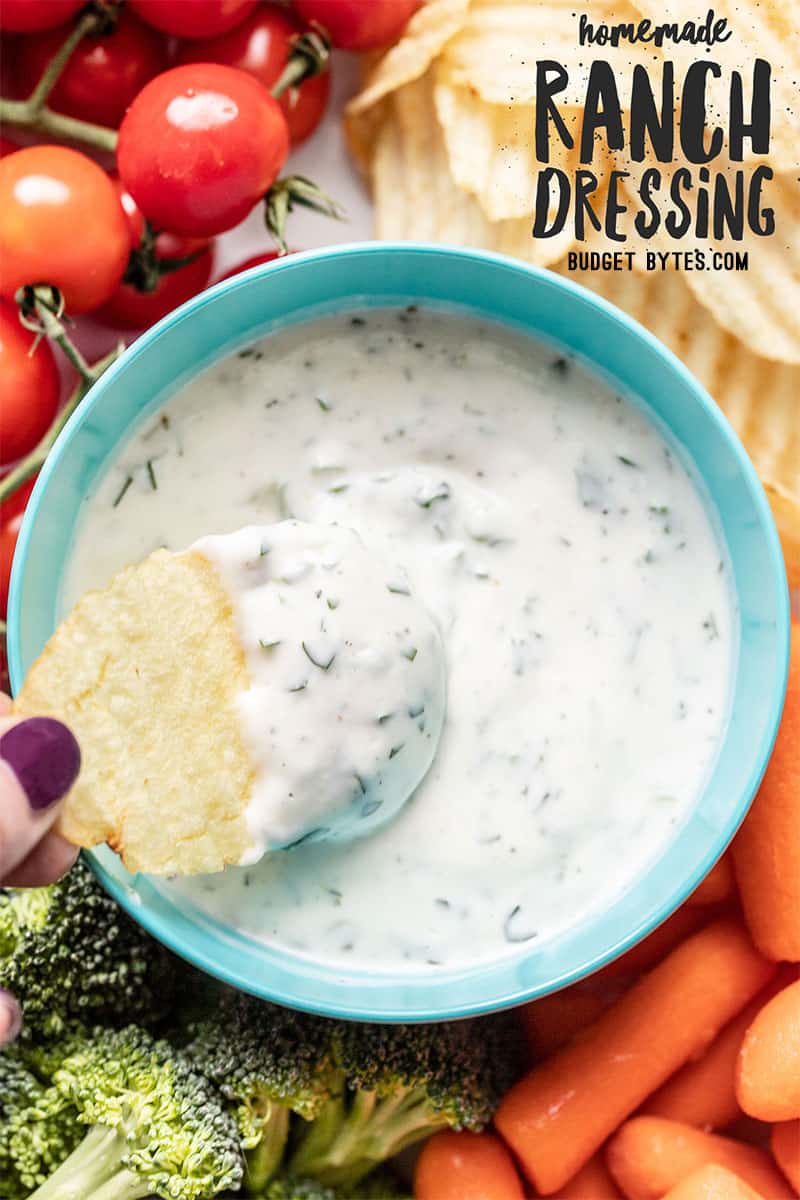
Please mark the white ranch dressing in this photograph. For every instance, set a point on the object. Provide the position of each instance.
(346, 700)
(568, 560)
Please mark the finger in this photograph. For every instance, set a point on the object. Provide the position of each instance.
(10, 1017)
(5, 704)
(50, 858)
(39, 762)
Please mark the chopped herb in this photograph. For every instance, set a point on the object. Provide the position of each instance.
(336, 894)
(314, 833)
(441, 902)
(659, 510)
(511, 929)
(627, 462)
(416, 710)
(361, 784)
(332, 603)
(268, 645)
(560, 365)
(711, 628)
(370, 807)
(398, 589)
(122, 491)
(410, 654)
(247, 353)
(300, 687)
(385, 717)
(324, 405)
(441, 492)
(264, 551)
(357, 321)
(323, 666)
(396, 750)
(338, 488)
(271, 403)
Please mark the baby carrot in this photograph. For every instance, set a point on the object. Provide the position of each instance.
(650, 1155)
(551, 1022)
(768, 1071)
(703, 1093)
(558, 1115)
(466, 1166)
(766, 850)
(785, 1146)
(592, 1182)
(656, 945)
(713, 1183)
(717, 886)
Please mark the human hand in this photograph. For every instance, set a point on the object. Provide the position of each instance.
(39, 762)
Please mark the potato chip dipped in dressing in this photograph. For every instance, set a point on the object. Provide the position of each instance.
(271, 686)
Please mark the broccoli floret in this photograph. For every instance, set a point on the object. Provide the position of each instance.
(269, 1062)
(402, 1082)
(289, 1187)
(157, 1127)
(38, 1128)
(69, 951)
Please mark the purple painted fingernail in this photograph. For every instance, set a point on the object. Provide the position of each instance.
(44, 756)
(10, 1017)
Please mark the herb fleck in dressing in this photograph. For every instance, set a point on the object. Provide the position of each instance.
(569, 564)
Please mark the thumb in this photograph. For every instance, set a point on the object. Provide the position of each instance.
(39, 762)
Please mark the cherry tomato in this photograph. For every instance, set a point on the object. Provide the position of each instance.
(261, 46)
(359, 24)
(131, 309)
(30, 16)
(7, 147)
(256, 260)
(31, 387)
(60, 223)
(201, 18)
(8, 540)
(104, 73)
(131, 210)
(17, 501)
(199, 146)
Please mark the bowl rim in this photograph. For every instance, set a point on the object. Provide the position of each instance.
(461, 992)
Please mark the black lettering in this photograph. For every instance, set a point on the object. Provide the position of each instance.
(585, 183)
(546, 109)
(645, 117)
(678, 227)
(651, 182)
(542, 210)
(613, 208)
(601, 111)
(760, 112)
(761, 220)
(692, 123)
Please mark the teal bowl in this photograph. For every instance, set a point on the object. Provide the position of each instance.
(305, 286)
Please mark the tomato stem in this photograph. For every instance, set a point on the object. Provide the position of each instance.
(48, 310)
(285, 195)
(33, 113)
(310, 55)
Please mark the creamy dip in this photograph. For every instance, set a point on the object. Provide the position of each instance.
(567, 558)
(347, 680)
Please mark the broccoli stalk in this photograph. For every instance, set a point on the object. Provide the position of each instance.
(69, 952)
(156, 1126)
(268, 1062)
(402, 1082)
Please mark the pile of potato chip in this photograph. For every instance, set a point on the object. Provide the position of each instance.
(443, 130)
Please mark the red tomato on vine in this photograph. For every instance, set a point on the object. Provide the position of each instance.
(31, 386)
(261, 46)
(199, 146)
(104, 73)
(198, 18)
(61, 224)
(359, 24)
(29, 16)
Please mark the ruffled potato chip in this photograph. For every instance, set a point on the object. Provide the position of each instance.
(759, 397)
(416, 198)
(147, 673)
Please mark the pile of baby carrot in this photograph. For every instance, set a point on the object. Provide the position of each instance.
(675, 1071)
